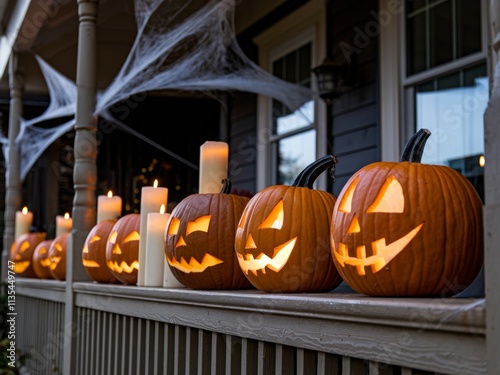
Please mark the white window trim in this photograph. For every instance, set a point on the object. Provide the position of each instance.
(308, 23)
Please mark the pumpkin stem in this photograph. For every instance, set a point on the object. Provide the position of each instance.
(310, 173)
(414, 149)
(226, 186)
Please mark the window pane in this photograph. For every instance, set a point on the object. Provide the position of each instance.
(294, 154)
(416, 44)
(468, 27)
(455, 118)
(303, 117)
(441, 34)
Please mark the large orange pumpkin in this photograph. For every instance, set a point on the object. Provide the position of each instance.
(57, 256)
(199, 240)
(407, 228)
(282, 238)
(122, 249)
(94, 252)
(41, 261)
(21, 253)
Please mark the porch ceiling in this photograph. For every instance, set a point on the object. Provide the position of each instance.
(52, 33)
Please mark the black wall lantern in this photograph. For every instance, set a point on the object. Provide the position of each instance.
(333, 78)
(335, 75)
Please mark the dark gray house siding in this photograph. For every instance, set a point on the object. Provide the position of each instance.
(355, 118)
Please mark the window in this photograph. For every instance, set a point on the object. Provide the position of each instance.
(445, 82)
(292, 140)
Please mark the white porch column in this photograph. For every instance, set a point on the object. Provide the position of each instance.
(492, 199)
(85, 170)
(13, 182)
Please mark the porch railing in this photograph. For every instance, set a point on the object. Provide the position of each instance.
(137, 330)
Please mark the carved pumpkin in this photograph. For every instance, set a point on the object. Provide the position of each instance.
(199, 240)
(21, 252)
(282, 238)
(57, 256)
(41, 261)
(407, 228)
(122, 249)
(94, 252)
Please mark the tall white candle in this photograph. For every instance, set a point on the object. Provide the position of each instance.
(63, 224)
(108, 207)
(152, 197)
(213, 166)
(24, 219)
(155, 248)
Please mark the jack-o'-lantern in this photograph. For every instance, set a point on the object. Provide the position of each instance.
(21, 253)
(408, 229)
(282, 240)
(199, 240)
(94, 252)
(41, 261)
(122, 249)
(57, 256)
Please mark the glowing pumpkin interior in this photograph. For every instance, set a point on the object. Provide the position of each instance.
(199, 224)
(250, 263)
(389, 199)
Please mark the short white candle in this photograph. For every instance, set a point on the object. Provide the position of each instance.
(155, 248)
(152, 198)
(24, 220)
(213, 166)
(108, 207)
(63, 224)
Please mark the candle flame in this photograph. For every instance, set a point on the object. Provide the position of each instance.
(162, 209)
(155, 184)
(66, 215)
(110, 194)
(25, 210)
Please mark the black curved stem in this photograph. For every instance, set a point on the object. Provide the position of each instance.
(310, 173)
(226, 186)
(414, 149)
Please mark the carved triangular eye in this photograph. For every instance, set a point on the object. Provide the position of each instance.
(275, 218)
(199, 224)
(112, 237)
(346, 202)
(390, 198)
(173, 228)
(132, 236)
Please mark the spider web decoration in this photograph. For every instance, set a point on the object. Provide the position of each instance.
(32, 141)
(179, 46)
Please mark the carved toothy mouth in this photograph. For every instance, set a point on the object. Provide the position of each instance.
(21, 266)
(382, 253)
(54, 262)
(194, 266)
(123, 267)
(248, 263)
(90, 263)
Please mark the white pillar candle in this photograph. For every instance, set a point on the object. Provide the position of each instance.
(154, 260)
(152, 198)
(213, 166)
(108, 207)
(63, 224)
(24, 220)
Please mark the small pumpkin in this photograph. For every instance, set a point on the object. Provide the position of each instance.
(199, 240)
(41, 261)
(408, 229)
(122, 249)
(94, 252)
(21, 253)
(57, 256)
(282, 237)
